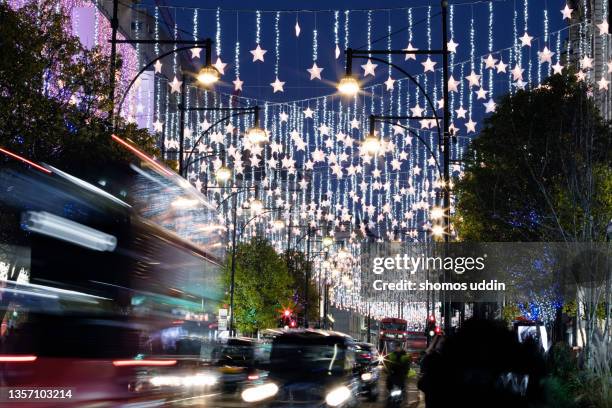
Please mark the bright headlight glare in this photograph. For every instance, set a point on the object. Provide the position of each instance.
(166, 380)
(199, 380)
(366, 376)
(259, 393)
(337, 396)
(396, 393)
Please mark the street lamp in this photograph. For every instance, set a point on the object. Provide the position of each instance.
(371, 145)
(223, 174)
(257, 135)
(327, 241)
(436, 213)
(437, 230)
(348, 85)
(256, 206)
(208, 75)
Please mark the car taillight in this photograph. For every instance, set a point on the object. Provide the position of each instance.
(17, 358)
(132, 363)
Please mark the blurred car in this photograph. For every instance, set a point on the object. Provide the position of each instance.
(308, 368)
(368, 368)
(239, 361)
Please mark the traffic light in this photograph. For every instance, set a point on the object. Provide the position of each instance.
(431, 327)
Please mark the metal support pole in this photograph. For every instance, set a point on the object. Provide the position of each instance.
(183, 112)
(113, 57)
(369, 320)
(233, 273)
(446, 146)
(306, 281)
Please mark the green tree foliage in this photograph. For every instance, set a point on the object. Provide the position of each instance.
(539, 170)
(299, 269)
(262, 285)
(54, 93)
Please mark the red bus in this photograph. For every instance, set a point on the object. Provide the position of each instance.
(392, 330)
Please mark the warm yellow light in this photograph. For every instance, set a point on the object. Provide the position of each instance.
(208, 75)
(328, 241)
(348, 86)
(437, 230)
(436, 213)
(256, 206)
(257, 135)
(223, 174)
(278, 224)
(371, 145)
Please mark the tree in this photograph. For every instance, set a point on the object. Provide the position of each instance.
(539, 170)
(54, 94)
(299, 269)
(262, 285)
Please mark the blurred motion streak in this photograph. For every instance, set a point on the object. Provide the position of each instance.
(54, 226)
(142, 155)
(23, 159)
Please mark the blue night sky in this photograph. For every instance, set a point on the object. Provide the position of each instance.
(296, 54)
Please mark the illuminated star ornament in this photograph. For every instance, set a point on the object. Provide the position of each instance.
(220, 65)
(368, 68)
(308, 113)
(452, 46)
(158, 67)
(603, 28)
(175, 85)
(410, 55)
(315, 71)
(490, 106)
(389, 83)
(526, 40)
(277, 85)
(490, 62)
(237, 84)
(258, 54)
(567, 12)
(428, 65)
(195, 53)
(545, 55)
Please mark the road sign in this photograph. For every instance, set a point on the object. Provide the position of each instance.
(222, 325)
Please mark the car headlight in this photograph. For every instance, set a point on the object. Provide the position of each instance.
(337, 396)
(260, 392)
(366, 376)
(396, 393)
(199, 380)
(185, 381)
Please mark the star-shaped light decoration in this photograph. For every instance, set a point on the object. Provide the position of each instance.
(470, 126)
(204, 125)
(481, 93)
(586, 62)
(237, 84)
(368, 68)
(490, 62)
(354, 123)
(460, 112)
(417, 110)
(318, 155)
(567, 12)
(308, 112)
(490, 106)
(557, 68)
(195, 53)
(473, 79)
(337, 51)
(398, 130)
(603, 28)
(389, 83)
(277, 85)
(545, 55)
(283, 117)
(428, 65)
(175, 85)
(220, 65)
(315, 71)
(580, 76)
(157, 67)
(324, 130)
(409, 55)
(603, 84)
(230, 128)
(452, 46)
(452, 84)
(501, 67)
(258, 54)
(517, 73)
(609, 64)
(526, 40)
(158, 126)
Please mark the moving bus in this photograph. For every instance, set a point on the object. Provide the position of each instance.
(392, 330)
(100, 280)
